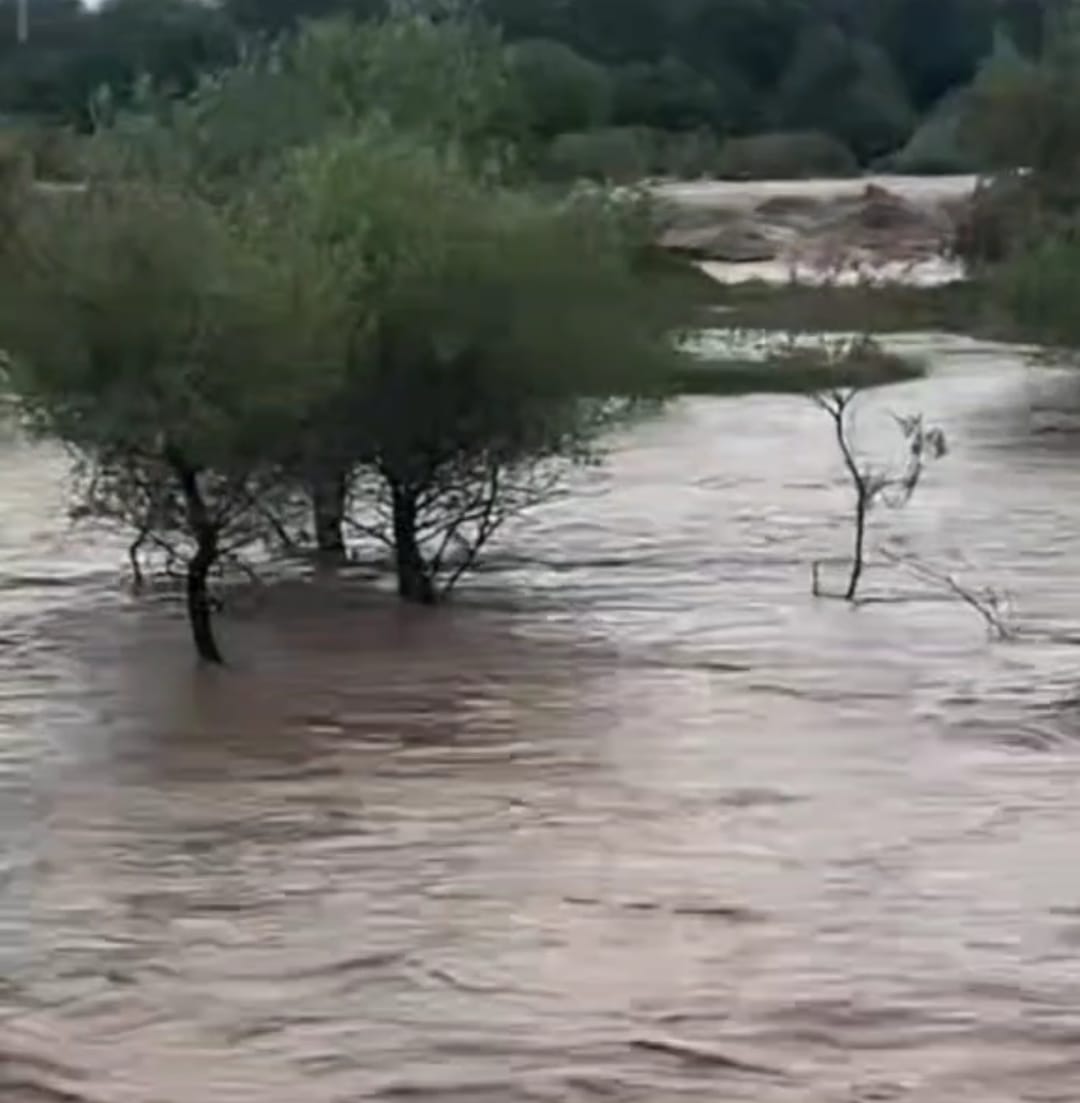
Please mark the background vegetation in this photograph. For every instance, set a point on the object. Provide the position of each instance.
(659, 85)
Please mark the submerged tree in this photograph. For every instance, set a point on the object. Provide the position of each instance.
(442, 82)
(495, 337)
(873, 484)
(174, 347)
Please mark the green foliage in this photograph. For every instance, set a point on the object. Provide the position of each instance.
(560, 90)
(798, 369)
(1026, 114)
(178, 348)
(534, 293)
(614, 155)
(627, 155)
(848, 88)
(1040, 289)
(942, 143)
(936, 45)
(447, 81)
(670, 95)
(1007, 101)
(785, 156)
(136, 316)
(489, 339)
(1024, 120)
(731, 66)
(686, 156)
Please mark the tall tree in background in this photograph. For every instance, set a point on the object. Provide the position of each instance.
(1026, 111)
(847, 87)
(936, 44)
(560, 90)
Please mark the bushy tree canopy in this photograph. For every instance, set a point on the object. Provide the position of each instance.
(178, 347)
(495, 337)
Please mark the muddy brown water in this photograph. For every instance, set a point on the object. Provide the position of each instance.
(635, 820)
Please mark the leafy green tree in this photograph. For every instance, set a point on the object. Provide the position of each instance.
(620, 155)
(736, 44)
(847, 88)
(669, 95)
(176, 348)
(496, 336)
(446, 80)
(1040, 288)
(560, 90)
(1023, 119)
(942, 143)
(1026, 113)
(935, 44)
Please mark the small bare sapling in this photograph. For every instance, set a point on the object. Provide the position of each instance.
(892, 486)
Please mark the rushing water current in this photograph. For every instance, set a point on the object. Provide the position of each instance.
(636, 819)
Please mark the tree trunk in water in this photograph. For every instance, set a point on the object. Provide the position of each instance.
(198, 602)
(205, 534)
(328, 512)
(414, 583)
(860, 537)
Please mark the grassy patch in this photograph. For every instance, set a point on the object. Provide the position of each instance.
(861, 363)
(796, 308)
(967, 308)
(950, 308)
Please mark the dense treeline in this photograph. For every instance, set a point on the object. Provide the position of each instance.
(863, 71)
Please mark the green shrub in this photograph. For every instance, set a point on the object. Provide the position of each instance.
(1003, 216)
(16, 163)
(847, 86)
(686, 156)
(560, 90)
(941, 145)
(671, 95)
(791, 155)
(42, 152)
(1039, 289)
(616, 155)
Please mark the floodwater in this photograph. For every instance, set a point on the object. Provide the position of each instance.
(803, 265)
(933, 271)
(637, 819)
(747, 194)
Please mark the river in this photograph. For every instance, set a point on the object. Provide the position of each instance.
(637, 819)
